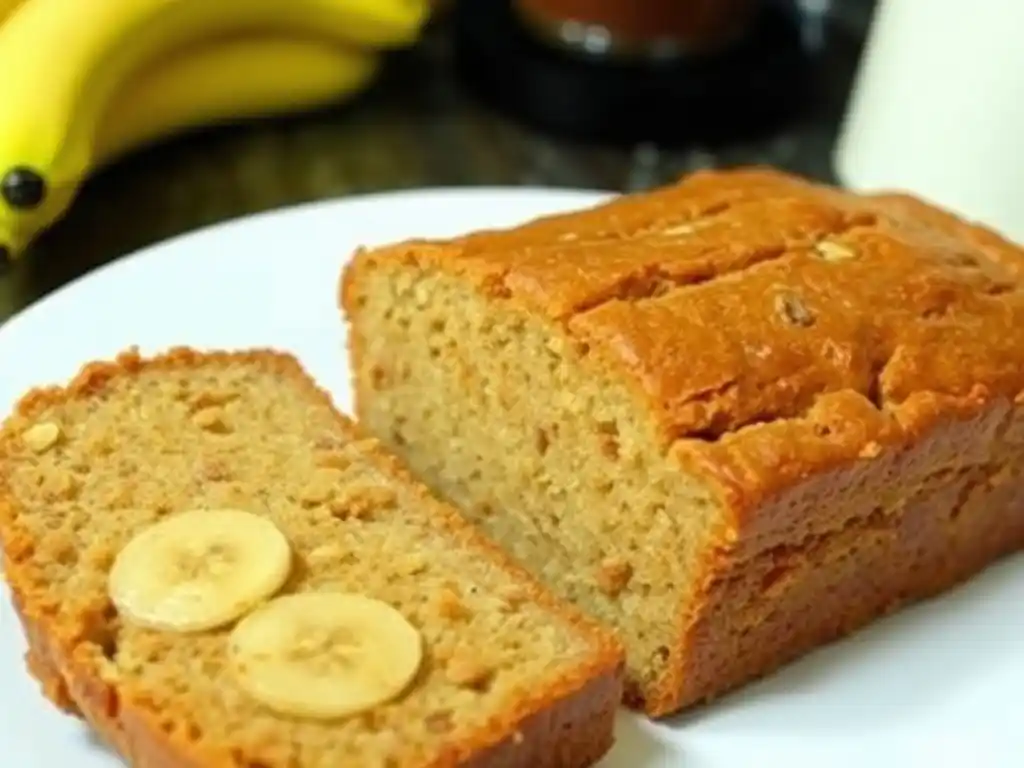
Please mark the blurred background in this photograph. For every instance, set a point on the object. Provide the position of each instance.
(466, 105)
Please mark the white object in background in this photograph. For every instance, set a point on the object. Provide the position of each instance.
(938, 108)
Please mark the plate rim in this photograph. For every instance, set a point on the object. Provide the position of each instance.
(585, 195)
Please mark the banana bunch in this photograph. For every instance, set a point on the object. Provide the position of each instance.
(87, 82)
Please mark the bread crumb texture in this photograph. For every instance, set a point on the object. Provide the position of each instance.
(87, 468)
(734, 418)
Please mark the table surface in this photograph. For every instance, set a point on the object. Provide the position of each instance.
(414, 128)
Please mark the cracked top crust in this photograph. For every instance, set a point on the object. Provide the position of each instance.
(749, 306)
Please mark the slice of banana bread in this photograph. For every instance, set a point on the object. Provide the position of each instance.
(734, 418)
(152, 503)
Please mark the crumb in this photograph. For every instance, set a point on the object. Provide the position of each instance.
(326, 554)
(60, 485)
(414, 564)
(613, 575)
(322, 487)
(41, 437)
(211, 398)
(211, 420)
(360, 501)
(450, 604)
(440, 721)
(870, 450)
(793, 309)
(333, 459)
(513, 596)
(468, 671)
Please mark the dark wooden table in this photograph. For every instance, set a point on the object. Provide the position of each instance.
(415, 128)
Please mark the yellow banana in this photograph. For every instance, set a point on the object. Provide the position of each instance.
(72, 57)
(7, 7)
(213, 82)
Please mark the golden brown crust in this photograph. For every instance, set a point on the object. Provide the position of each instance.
(568, 725)
(789, 341)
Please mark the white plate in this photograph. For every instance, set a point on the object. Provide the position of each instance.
(938, 685)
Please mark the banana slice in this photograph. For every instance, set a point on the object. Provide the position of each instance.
(325, 655)
(199, 570)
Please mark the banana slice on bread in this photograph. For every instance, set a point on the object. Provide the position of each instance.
(199, 570)
(318, 655)
(325, 655)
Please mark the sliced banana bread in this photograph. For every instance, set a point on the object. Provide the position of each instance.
(214, 569)
(734, 418)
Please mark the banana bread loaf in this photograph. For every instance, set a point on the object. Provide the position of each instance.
(151, 504)
(734, 418)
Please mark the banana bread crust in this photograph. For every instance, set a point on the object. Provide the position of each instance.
(570, 725)
(791, 342)
(567, 733)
